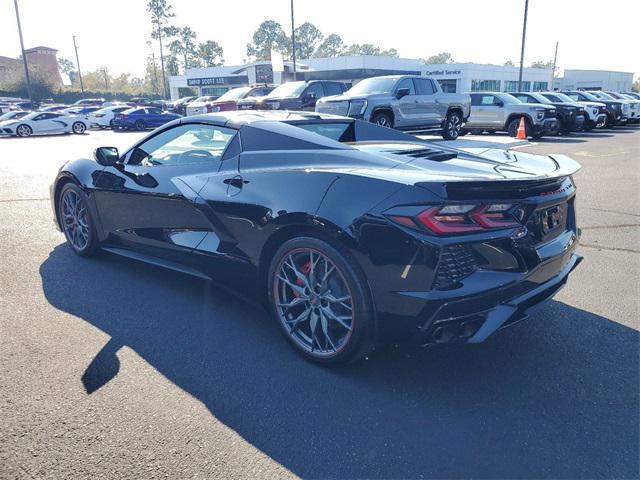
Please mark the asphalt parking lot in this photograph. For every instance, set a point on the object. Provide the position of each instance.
(114, 369)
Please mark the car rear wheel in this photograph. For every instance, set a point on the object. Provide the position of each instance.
(321, 301)
(24, 130)
(383, 119)
(76, 221)
(140, 125)
(452, 126)
(78, 128)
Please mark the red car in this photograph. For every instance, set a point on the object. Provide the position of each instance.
(229, 101)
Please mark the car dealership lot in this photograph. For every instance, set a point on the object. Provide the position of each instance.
(112, 368)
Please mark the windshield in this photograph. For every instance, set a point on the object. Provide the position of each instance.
(507, 98)
(288, 90)
(374, 85)
(203, 99)
(235, 94)
(540, 98)
(12, 115)
(563, 97)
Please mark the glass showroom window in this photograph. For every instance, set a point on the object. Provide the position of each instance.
(512, 86)
(540, 86)
(214, 91)
(485, 85)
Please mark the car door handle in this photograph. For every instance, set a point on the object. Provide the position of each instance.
(236, 181)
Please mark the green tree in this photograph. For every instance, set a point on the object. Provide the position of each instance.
(332, 46)
(209, 54)
(269, 36)
(636, 86)
(442, 57)
(308, 37)
(160, 13)
(541, 64)
(151, 83)
(66, 67)
(369, 49)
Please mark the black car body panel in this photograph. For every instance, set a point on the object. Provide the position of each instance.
(303, 100)
(276, 179)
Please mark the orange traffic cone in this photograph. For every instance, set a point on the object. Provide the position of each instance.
(522, 130)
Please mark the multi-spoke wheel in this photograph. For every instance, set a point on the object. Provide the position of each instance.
(78, 128)
(24, 130)
(452, 126)
(75, 220)
(320, 300)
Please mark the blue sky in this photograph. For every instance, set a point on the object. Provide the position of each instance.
(592, 34)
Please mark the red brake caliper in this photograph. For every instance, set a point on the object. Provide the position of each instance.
(304, 269)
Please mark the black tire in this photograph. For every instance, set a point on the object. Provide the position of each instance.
(358, 341)
(512, 128)
(588, 126)
(561, 128)
(24, 130)
(91, 245)
(383, 119)
(452, 126)
(111, 124)
(610, 123)
(140, 125)
(78, 128)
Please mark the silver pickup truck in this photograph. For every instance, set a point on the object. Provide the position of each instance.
(495, 111)
(404, 102)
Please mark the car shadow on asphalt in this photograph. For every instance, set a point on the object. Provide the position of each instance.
(555, 396)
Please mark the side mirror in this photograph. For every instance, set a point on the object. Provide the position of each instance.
(499, 103)
(402, 92)
(106, 156)
(310, 97)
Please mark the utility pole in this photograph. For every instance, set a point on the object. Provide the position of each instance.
(24, 57)
(78, 63)
(524, 35)
(553, 70)
(293, 44)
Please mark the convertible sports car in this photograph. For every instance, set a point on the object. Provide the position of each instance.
(352, 232)
(44, 123)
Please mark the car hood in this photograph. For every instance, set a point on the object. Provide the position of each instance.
(346, 96)
(8, 123)
(414, 163)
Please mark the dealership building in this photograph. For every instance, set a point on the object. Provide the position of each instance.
(596, 80)
(453, 77)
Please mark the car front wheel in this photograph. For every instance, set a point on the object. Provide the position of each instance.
(321, 301)
(382, 119)
(76, 221)
(24, 131)
(140, 125)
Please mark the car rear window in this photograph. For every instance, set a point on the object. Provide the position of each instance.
(339, 131)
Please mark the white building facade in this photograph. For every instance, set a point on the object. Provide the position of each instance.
(597, 80)
(453, 77)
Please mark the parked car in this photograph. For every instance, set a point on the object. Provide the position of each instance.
(570, 115)
(10, 117)
(145, 102)
(404, 102)
(200, 104)
(83, 110)
(301, 95)
(37, 123)
(90, 101)
(626, 105)
(430, 242)
(142, 118)
(634, 105)
(595, 112)
(614, 107)
(27, 105)
(635, 95)
(103, 118)
(180, 105)
(53, 108)
(501, 112)
(229, 101)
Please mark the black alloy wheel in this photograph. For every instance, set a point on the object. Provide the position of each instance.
(140, 125)
(382, 119)
(452, 126)
(321, 301)
(76, 221)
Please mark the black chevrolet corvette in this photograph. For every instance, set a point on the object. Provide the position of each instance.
(351, 232)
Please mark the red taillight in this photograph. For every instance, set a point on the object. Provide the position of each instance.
(467, 218)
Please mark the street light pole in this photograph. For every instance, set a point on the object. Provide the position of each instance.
(553, 69)
(524, 34)
(24, 57)
(78, 63)
(293, 44)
